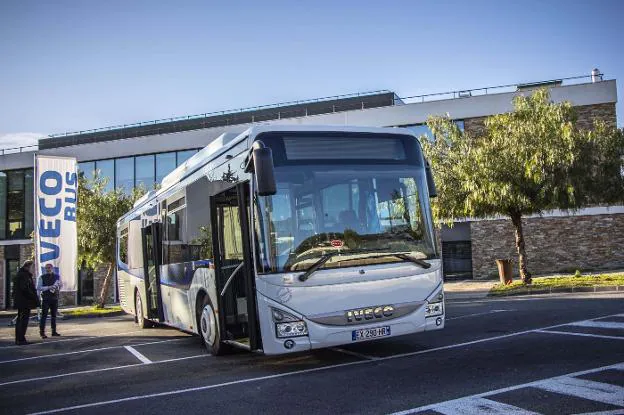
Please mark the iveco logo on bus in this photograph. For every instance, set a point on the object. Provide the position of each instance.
(369, 313)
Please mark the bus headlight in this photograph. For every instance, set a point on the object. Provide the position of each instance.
(291, 329)
(434, 309)
(287, 325)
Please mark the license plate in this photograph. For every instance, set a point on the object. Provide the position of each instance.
(373, 333)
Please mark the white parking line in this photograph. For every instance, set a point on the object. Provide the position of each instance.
(477, 406)
(106, 369)
(87, 351)
(138, 354)
(619, 366)
(603, 390)
(477, 314)
(47, 342)
(586, 389)
(572, 333)
(599, 324)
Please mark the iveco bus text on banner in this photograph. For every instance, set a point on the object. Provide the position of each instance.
(56, 195)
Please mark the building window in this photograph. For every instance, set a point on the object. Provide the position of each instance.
(145, 171)
(106, 170)
(165, 164)
(15, 205)
(87, 169)
(124, 174)
(185, 155)
(29, 213)
(3, 204)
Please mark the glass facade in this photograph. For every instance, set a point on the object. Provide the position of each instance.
(105, 169)
(165, 164)
(16, 204)
(124, 174)
(185, 155)
(3, 204)
(145, 172)
(16, 186)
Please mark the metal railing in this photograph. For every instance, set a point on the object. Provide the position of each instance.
(243, 115)
(13, 150)
(225, 112)
(499, 89)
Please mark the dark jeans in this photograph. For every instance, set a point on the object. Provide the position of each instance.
(50, 304)
(21, 324)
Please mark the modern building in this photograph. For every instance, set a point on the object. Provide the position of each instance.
(143, 153)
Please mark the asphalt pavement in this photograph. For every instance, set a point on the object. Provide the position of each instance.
(555, 354)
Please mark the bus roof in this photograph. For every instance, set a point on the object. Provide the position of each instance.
(228, 140)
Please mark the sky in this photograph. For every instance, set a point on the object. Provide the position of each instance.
(76, 65)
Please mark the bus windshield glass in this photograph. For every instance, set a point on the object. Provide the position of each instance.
(356, 198)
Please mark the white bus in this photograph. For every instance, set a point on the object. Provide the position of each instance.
(288, 238)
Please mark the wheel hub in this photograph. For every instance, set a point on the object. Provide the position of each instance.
(208, 325)
(139, 310)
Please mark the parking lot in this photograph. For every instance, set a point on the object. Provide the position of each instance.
(560, 354)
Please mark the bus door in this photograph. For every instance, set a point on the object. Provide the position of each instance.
(151, 237)
(235, 281)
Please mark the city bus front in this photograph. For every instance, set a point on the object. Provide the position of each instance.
(345, 248)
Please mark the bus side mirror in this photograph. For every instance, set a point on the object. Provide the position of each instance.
(430, 183)
(263, 167)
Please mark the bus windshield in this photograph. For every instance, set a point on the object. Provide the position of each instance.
(357, 211)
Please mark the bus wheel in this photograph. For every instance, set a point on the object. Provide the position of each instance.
(209, 328)
(138, 312)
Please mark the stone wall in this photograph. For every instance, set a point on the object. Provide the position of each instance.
(474, 126)
(586, 115)
(99, 275)
(553, 244)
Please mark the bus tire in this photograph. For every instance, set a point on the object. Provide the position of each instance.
(138, 313)
(208, 328)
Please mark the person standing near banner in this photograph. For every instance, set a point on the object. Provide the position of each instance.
(25, 299)
(49, 285)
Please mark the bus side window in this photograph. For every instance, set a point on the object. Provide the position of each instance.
(123, 246)
(173, 238)
(198, 236)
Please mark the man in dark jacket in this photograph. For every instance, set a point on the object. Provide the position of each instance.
(48, 285)
(25, 299)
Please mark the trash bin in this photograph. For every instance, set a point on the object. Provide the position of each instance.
(504, 271)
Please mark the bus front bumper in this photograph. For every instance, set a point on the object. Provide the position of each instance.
(322, 335)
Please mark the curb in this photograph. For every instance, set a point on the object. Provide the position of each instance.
(71, 317)
(557, 290)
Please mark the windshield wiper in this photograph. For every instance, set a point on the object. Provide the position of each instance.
(322, 260)
(316, 266)
(417, 261)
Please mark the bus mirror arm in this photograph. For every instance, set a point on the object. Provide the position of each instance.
(260, 161)
(430, 182)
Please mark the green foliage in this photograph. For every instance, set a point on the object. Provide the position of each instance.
(560, 281)
(98, 211)
(577, 274)
(525, 162)
(204, 242)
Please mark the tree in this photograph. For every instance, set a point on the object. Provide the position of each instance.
(525, 162)
(98, 212)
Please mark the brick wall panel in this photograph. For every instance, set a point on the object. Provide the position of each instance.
(553, 244)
